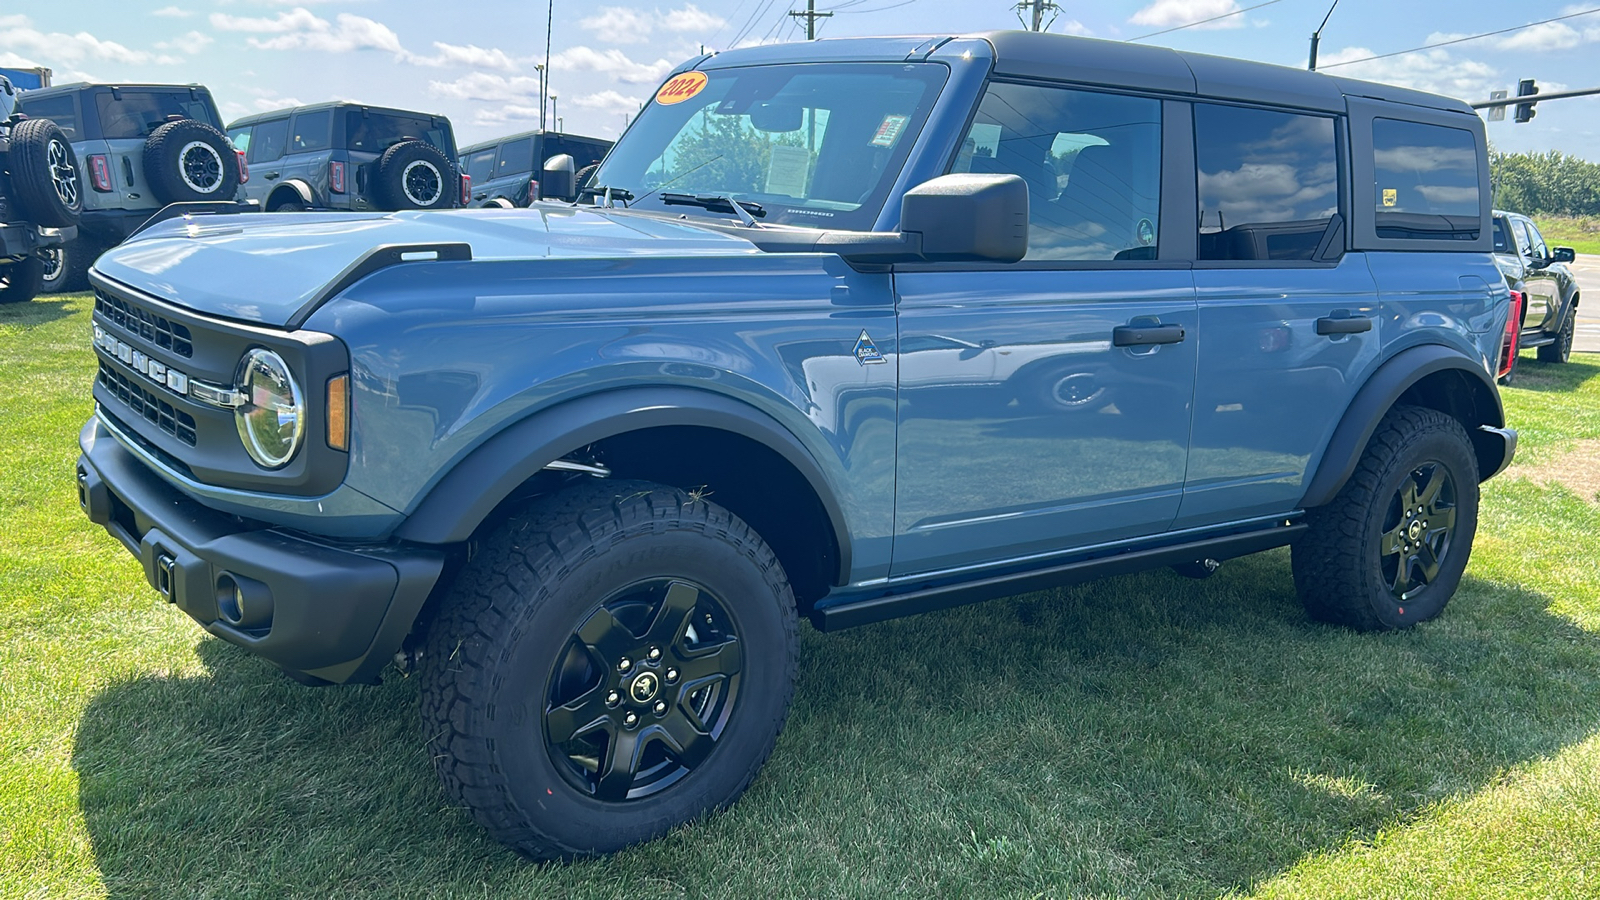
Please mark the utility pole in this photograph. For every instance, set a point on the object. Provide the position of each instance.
(811, 16)
(1039, 8)
(544, 74)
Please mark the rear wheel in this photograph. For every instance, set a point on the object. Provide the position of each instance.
(188, 161)
(613, 663)
(416, 175)
(20, 281)
(1561, 350)
(66, 268)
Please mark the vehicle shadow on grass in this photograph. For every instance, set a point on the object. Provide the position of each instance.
(23, 316)
(1533, 375)
(1144, 735)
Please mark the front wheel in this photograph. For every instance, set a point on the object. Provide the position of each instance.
(1390, 549)
(614, 662)
(20, 280)
(1561, 350)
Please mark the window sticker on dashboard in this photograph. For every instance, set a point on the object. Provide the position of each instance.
(889, 131)
(681, 87)
(786, 173)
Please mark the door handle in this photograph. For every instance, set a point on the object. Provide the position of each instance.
(270, 175)
(1343, 324)
(1144, 335)
(480, 196)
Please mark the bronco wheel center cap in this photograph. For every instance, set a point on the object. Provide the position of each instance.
(644, 688)
(1415, 531)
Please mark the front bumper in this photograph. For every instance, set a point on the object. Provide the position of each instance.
(321, 611)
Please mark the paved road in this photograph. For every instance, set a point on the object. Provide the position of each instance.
(1587, 269)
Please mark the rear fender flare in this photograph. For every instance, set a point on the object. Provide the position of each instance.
(295, 186)
(460, 501)
(1383, 390)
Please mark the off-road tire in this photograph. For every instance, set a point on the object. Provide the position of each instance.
(45, 174)
(293, 204)
(189, 161)
(20, 280)
(72, 274)
(406, 172)
(489, 661)
(1561, 349)
(1339, 563)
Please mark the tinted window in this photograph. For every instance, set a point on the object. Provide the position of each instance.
(1092, 163)
(60, 110)
(1427, 181)
(373, 132)
(312, 131)
(134, 114)
(1268, 182)
(240, 139)
(1536, 240)
(268, 142)
(1502, 235)
(480, 165)
(515, 158)
(1524, 246)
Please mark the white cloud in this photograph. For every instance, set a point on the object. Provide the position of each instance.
(508, 113)
(1071, 26)
(190, 43)
(1548, 36)
(172, 12)
(298, 19)
(622, 25)
(1437, 71)
(470, 55)
(55, 48)
(1169, 13)
(487, 87)
(608, 101)
(300, 29)
(611, 62)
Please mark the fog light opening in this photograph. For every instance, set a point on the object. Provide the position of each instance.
(243, 602)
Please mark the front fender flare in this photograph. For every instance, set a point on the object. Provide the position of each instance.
(1380, 393)
(460, 501)
(297, 186)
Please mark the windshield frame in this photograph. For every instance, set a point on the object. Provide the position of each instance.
(804, 213)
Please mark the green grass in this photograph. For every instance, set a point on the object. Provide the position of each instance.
(1141, 736)
(1581, 233)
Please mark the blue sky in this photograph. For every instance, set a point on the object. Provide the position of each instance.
(475, 62)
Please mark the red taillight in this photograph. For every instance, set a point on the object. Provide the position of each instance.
(244, 167)
(466, 190)
(533, 191)
(336, 176)
(1508, 341)
(100, 172)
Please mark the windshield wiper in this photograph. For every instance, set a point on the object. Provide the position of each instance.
(746, 210)
(609, 194)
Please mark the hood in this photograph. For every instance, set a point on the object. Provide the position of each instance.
(264, 267)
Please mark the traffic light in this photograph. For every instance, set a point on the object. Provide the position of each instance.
(1526, 88)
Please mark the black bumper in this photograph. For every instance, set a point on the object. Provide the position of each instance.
(110, 226)
(22, 239)
(318, 611)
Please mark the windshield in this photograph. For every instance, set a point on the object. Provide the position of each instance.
(816, 145)
(135, 113)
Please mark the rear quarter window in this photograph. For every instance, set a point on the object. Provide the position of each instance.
(312, 132)
(60, 110)
(1426, 181)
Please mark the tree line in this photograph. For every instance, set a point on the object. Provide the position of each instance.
(1545, 184)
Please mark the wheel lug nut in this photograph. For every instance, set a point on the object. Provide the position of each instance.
(613, 698)
(672, 676)
(624, 664)
(654, 654)
(661, 707)
(630, 720)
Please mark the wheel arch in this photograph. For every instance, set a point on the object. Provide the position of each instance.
(680, 436)
(293, 189)
(497, 203)
(1432, 376)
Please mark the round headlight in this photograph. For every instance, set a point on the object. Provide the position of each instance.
(272, 418)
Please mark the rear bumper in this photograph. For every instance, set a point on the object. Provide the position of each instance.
(22, 239)
(110, 226)
(320, 611)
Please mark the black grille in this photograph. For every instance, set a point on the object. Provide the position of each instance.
(141, 402)
(142, 322)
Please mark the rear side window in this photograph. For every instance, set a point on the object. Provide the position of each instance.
(134, 114)
(60, 110)
(269, 140)
(515, 158)
(480, 165)
(240, 139)
(1268, 182)
(312, 132)
(1502, 235)
(1426, 181)
(1092, 163)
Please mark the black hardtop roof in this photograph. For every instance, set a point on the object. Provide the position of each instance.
(87, 85)
(483, 145)
(1119, 63)
(333, 104)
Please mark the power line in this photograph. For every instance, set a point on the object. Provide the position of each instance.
(1462, 40)
(1204, 21)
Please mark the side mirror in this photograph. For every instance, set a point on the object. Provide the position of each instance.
(1565, 254)
(969, 218)
(560, 178)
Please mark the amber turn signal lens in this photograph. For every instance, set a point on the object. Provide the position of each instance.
(339, 412)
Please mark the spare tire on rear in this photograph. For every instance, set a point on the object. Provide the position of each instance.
(44, 174)
(188, 161)
(416, 175)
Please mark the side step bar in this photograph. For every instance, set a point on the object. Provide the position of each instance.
(878, 609)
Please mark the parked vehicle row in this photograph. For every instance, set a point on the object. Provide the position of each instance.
(1543, 288)
(41, 197)
(505, 172)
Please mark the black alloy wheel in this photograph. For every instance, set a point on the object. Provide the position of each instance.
(1561, 349)
(644, 690)
(1418, 529)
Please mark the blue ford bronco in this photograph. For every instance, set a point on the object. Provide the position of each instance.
(842, 330)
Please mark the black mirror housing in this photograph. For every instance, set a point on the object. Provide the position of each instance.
(969, 218)
(1565, 255)
(560, 181)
